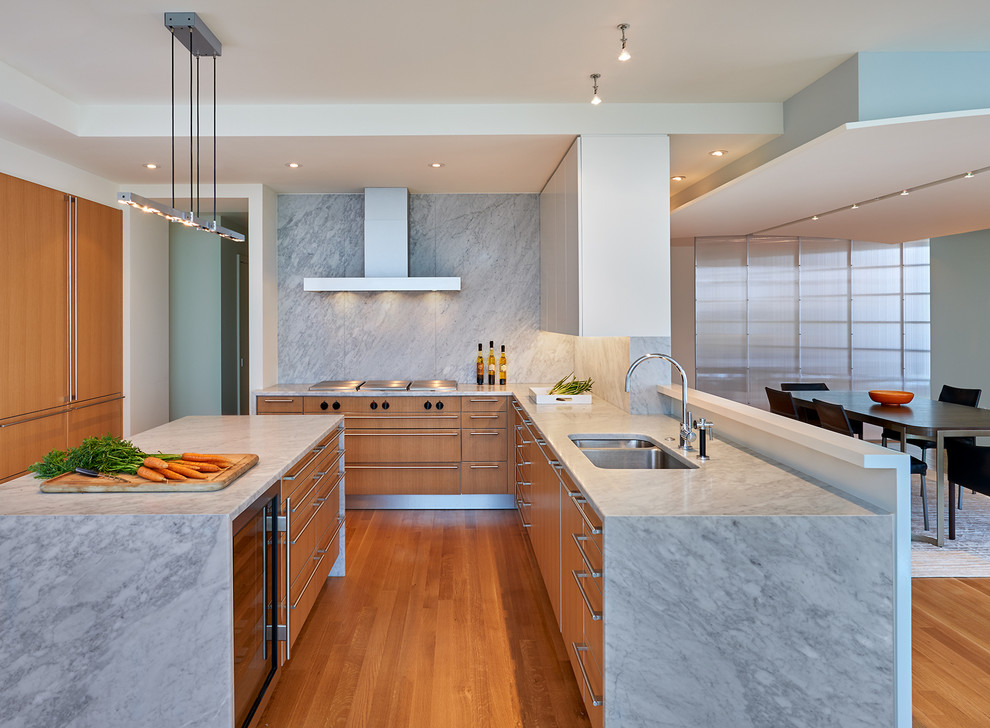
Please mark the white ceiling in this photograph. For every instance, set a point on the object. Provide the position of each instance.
(84, 57)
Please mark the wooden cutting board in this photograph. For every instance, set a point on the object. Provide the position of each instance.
(76, 483)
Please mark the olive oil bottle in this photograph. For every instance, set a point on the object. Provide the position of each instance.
(481, 366)
(503, 367)
(491, 362)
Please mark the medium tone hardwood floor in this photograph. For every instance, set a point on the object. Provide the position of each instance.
(951, 652)
(442, 621)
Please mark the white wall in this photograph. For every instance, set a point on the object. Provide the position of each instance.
(33, 167)
(960, 305)
(146, 321)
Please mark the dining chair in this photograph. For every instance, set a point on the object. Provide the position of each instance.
(782, 403)
(967, 466)
(834, 418)
(812, 415)
(953, 395)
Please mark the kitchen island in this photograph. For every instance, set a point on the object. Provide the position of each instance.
(117, 608)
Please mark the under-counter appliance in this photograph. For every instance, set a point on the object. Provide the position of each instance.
(255, 582)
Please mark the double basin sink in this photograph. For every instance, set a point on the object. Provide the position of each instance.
(628, 452)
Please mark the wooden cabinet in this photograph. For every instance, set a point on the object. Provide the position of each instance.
(94, 418)
(567, 536)
(275, 405)
(312, 505)
(485, 445)
(61, 296)
(26, 442)
(604, 242)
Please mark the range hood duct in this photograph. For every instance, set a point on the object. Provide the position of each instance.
(386, 250)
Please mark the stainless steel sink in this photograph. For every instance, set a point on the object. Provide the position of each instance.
(598, 442)
(627, 452)
(635, 459)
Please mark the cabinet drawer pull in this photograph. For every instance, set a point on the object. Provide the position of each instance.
(490, 399)
(441, 433)
(596, 700)
(578, 576)
(401, 417)
(523, 482)
(486, 433)
(340, 522)
(524, 462)
(402, 467)
(280, 401)
(578, 502)
(483, 417)
(485, 467)
(578, 538)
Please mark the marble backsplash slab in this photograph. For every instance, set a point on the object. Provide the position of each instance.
(490, 241)
(607, 358)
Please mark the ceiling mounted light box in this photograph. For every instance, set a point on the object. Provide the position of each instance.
(386, 250)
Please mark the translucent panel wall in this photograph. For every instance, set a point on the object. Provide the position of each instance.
(849, 313)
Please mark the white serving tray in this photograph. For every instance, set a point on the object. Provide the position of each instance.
(540, 396)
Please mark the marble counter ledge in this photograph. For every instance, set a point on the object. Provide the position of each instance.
(303, 390)
(279, 443)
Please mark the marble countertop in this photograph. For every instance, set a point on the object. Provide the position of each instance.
(734, 482)
(279, 442)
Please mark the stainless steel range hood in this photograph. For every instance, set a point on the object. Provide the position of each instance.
(386, 250)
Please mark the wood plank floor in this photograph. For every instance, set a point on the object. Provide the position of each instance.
(442, 621)
(951, 652)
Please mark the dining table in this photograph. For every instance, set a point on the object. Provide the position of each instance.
(922, 417)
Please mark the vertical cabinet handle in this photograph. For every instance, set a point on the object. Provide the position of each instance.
(596, 700)
(288, 578)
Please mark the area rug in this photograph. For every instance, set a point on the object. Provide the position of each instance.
(966, 556)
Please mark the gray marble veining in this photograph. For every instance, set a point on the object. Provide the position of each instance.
(749, 622)
(79, 618)
(490, 241)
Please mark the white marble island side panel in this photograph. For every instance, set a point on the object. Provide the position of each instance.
(740, 593)
(117, 608)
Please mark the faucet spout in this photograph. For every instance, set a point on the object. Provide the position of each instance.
(687, 434)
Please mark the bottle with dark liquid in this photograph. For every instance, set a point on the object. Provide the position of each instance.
(503, 367)
(491, 362)
(481, 366)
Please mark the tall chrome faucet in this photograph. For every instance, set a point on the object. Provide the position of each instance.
(687, 434)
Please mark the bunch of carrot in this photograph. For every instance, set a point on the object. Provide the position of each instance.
(190, 466)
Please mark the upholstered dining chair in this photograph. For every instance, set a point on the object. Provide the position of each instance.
(834, 418)
(782, 403)
(967, 466)
(856, 425)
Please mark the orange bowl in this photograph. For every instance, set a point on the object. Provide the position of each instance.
(890, 396)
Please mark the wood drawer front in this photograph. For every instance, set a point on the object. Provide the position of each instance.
(483, 444)
(302, 545)
(301, 507)
(27, 442)
(398, 479)
(299, 477)
(302, 605)
(328, 516)
(397, 420)
(486, 420)
(483, 403)
(403, 446)
(275, 405)
(485, 478)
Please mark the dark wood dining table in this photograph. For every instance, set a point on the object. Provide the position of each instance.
(924, 418)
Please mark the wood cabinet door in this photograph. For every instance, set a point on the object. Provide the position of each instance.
(27, 442)
(97, 420)
(571, 604)
(98, 260)
(34, 278)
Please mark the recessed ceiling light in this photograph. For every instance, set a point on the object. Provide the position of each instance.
(854, 207)
(718, 153)
(678, 178)
(814, 217)
(968, 175)
(150, 165)
(293, 165)
(904, 192)
(436, 165)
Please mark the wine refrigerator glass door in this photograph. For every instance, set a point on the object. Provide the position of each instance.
(254, 579)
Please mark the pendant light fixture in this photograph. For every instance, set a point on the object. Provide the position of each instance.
(190, 30)
(596, 99)
(623, 53)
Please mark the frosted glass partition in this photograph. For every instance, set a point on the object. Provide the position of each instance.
(850, 313)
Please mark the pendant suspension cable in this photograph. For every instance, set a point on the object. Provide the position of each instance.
(190, 123)
(214, 141)
(199, 128)
(172, 31)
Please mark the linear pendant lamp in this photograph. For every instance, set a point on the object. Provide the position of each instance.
(190, 30)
